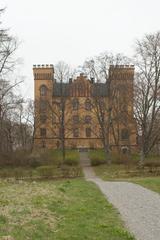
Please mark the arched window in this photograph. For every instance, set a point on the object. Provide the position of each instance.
(88, 119)
(75, 119)
(88, 105)
(88, 132)
(43, 118)
(124, 134)
(75, 104)
(75, 132)
(43, 106)
(43, 132)
(43, 90)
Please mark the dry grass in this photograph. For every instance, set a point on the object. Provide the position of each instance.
(60, 210)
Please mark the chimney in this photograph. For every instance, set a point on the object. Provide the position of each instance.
(92, 80)
(70, 80)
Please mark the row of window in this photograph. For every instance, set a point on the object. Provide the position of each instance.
(124, 133)
(75, 119)
(75, 104)
(43, 132)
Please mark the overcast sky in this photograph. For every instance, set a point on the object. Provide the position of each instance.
(73, 30)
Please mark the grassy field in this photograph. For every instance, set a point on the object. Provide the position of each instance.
(127, 172)
(40, 164)
(152, 183)
(59, 210)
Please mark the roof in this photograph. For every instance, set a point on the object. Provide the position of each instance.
(80, 89)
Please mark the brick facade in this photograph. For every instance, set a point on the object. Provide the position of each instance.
(81, 125)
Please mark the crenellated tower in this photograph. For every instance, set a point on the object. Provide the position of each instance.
(43, 91)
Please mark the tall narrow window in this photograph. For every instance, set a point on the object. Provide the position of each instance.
(43, 106)
(43, 90)
(43, 119)
(75, 132)
(53, 118)
(75, 104)
(88, 105)
(88, 119)
(88, 132)
(43, 132)
(75, 119)
(124, 134)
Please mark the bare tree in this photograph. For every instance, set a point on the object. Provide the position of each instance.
(8, 46)
(62, 73)
(8, 98)
(98, 69)
(147, 92)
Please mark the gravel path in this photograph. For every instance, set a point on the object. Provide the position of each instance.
(138, 206)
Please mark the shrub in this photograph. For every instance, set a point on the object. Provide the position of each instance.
(97, 157)
(152, 165)
(34, 160)
(119, 158)
(71, 172)
(95, 161)
(48, 171)
(72, 158)
(71, 161)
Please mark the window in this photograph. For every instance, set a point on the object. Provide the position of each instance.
(75, 132)
(43, 119)
(124, 134)
(100, 133)
(88, 105)
(43, 132)
(124, 108)
(75, 119)
(75, 104)
(88, 119)
(53, 118)
(43, 106)
(88, 132)
(43, 144)
(43, 90)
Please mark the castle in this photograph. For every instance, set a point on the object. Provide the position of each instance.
(82, 128)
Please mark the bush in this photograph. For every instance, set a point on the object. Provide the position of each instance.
(119, 158)
(152, 165)
(95, 161)
(97, 157)
(72, 158)
(71, 161)
(71, 172)
(48, 171)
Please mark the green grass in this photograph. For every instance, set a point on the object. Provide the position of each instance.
(147, 177)
(46, 163)
(97, 157)
(152, 183)
(61, 210)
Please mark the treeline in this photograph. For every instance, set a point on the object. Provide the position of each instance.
(17, 114)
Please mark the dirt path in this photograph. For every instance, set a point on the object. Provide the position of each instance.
(138, 206)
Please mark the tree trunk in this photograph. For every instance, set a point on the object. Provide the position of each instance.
(141, 161)
(107, 155)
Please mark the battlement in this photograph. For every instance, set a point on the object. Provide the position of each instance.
(43, 66)
(122, 66)
(43, 72)
(121, 72)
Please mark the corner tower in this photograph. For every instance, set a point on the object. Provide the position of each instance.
(43, 92)
(43, 76)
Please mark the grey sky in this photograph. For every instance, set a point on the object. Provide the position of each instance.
(72, 30)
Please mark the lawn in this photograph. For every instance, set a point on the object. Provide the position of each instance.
(40, 164)
(59, 210)
(152, 183)
(127, 172)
